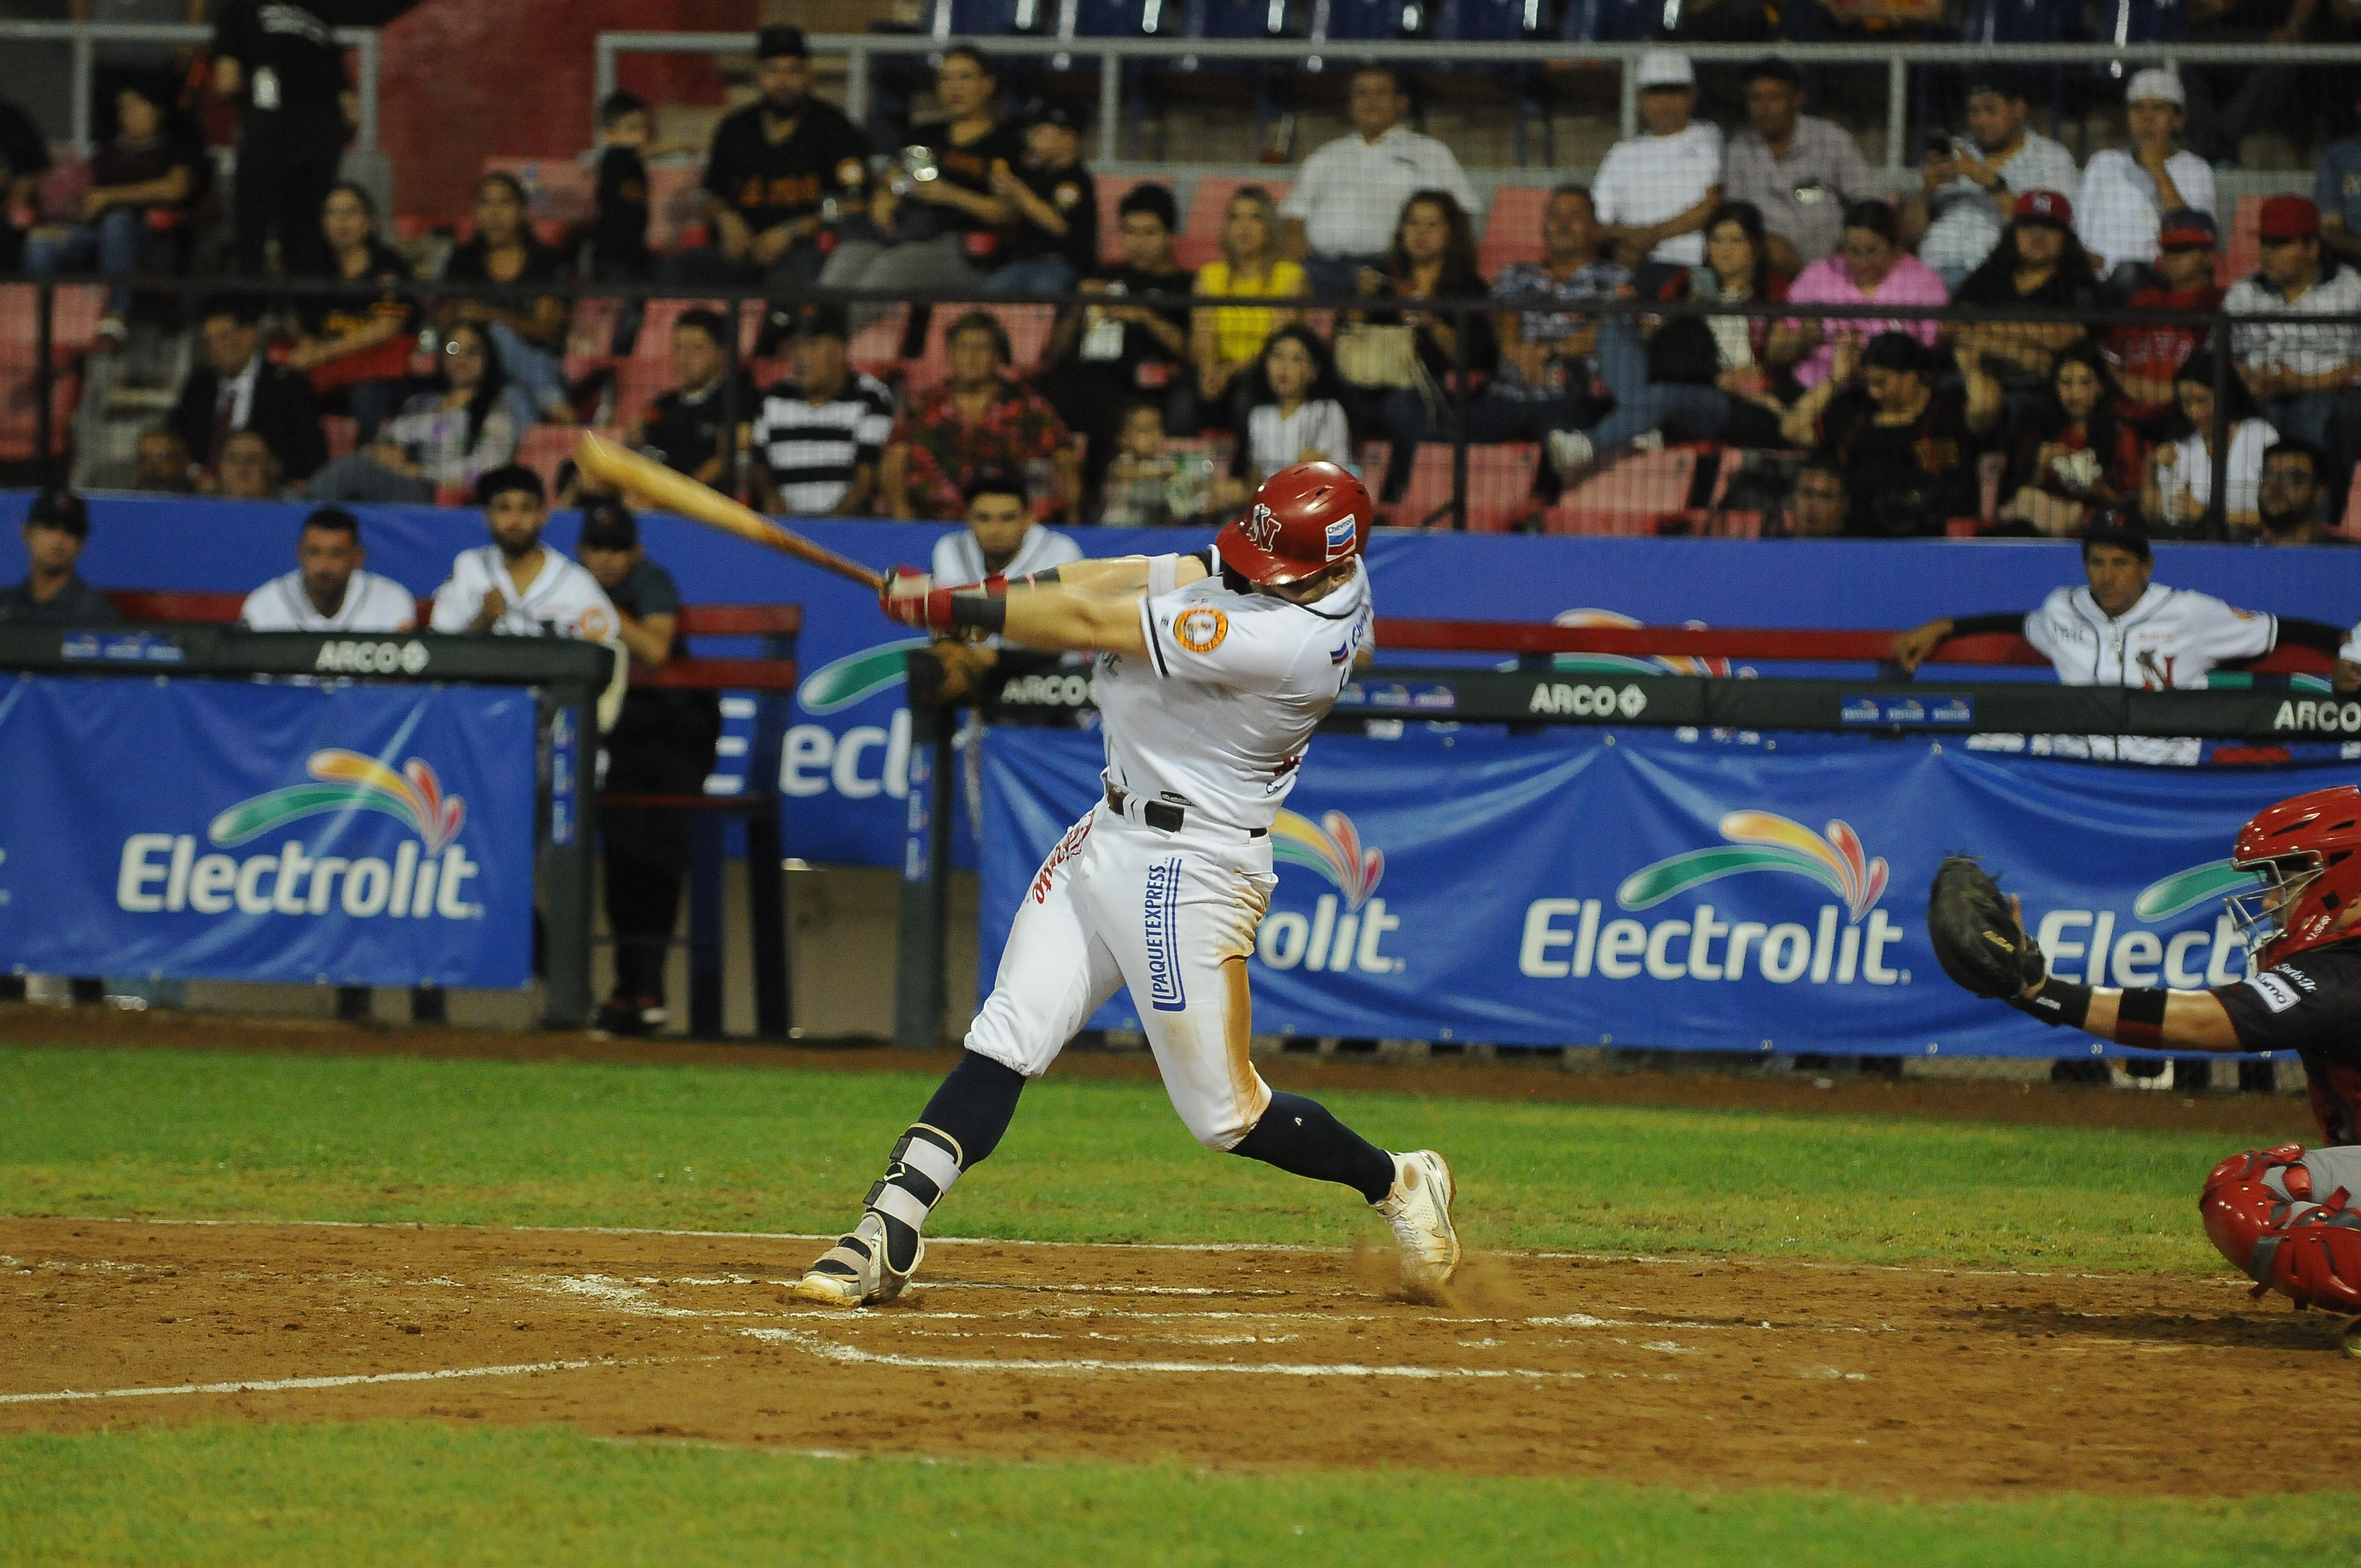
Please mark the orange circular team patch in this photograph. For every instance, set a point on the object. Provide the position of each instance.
(597, 625)
(1202, 630)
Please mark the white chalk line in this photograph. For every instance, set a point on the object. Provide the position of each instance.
(283, 1385)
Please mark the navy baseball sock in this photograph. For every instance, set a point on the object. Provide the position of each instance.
(974, 1104)
(1302, 1138)
(961, 1124)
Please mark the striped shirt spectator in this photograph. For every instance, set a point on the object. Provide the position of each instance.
(819, 434)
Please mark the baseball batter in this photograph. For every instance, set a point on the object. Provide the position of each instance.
(2283, 1215)
(1213, 671)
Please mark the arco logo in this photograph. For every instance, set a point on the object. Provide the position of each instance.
(1331, 846)
(350, 781)
(1763, 842)
(856, 677)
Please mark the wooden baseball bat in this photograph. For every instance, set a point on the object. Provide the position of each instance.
(655, 485)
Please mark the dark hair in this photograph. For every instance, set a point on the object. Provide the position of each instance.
(996, 480)
(1153, 199)
(2296, 446)
(1896, 350)
(2111, 527)
(983, 320)
(975, 57)
(1459, 273)
(2073, 261)
(489, 388)
(1776, 69)
(2002, 83)
(2199, 368)
(61, 510)
(1824, 461)
(1323, 368)
(1748, 217)
(1574, 188)
(500, 481)
(1876, 217)
(1378, 68)
(2102, 423)
(240, 307)
(358, 193)
(1140, 406)
(334, 520)
(503, 177)
(706, 320)
(615, 105)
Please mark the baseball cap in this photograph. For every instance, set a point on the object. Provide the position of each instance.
(609, 525)
(2044, 207)
(1049, 112)
(2118, 529)
(1664, 68)
(2288, 218)
(59, 510)
(780, 39)
(2186, 228)
(815, 319)
(2155, 82)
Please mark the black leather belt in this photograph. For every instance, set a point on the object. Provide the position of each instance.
(1161, 816)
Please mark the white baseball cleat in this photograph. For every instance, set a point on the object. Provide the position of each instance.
(1419, 1210)
(853, 1273)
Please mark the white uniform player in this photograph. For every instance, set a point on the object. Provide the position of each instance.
(2120, 629)
(959, 557)
(1213, 671)
(328, 573)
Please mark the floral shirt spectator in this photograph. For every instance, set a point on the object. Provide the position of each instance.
(1909, 283)
(1528, 279)
(945, 450)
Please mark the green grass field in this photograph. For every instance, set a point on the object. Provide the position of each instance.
(187, 1135)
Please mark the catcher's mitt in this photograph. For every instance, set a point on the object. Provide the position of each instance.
(1976, 936)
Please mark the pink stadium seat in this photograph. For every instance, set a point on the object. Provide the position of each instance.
(61, 188)
(1646, 484)
(2244, 253)
(1499, 484)
(675, 213)
(545, 446)
(877, 347)
(1201, 237)
(1513, 230)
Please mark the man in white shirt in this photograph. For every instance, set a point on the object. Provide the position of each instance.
(1340, 215)
(516, 586)
(1799, 170)
(328, 591)
(2302, 373)
(1655, 191)
(2125, 193)
(1969, 188)
(1001, 537)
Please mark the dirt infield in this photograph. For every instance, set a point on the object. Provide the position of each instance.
(1931, 1383)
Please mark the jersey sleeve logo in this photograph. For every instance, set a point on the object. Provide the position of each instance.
(1200, 630)
(597, 625)
(1261, 527)
(2277, 993)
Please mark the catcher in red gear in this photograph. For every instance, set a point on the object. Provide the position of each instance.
(2286, 1216)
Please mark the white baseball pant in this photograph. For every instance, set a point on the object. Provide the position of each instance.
(1173, 915)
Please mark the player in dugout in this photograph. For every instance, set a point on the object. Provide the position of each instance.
(2284, 1215)
(328, 591)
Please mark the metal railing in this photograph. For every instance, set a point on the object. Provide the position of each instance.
(1447, 417)
(85, 37)
(860, 49)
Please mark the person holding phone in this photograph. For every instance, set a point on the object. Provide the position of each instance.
(1970, 185)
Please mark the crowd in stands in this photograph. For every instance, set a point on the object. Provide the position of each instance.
(1349, 317)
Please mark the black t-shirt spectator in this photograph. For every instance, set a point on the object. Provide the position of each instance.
(678, 721)
(76, 604)
(968, 168)
(683, 431)
(23, 149)
(768, 183)
(1073, 195)
(1141, 346)
(294, 68)
(1994, 283)
(326, 316)
(619, 226)
(1905, 480)
(543, 264)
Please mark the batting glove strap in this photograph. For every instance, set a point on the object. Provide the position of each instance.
(947, 611)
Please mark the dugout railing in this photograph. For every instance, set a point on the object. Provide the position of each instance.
(2280, 698)
(68, 413)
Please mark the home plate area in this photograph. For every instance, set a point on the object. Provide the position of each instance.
(1694, 1372)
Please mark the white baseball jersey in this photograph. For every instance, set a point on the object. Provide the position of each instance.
(2167, 640)
(1216, 717)
(958, 559)
(564, 600)
(371, 603)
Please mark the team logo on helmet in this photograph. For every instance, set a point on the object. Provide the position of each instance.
(1202, 630)
(1341, 535)
(1261, 527)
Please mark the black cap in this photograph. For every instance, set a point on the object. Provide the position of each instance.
(609, 525)
(1049, 112)
(61, 510)
(817, 319)
(779, 41)
(2119, 529)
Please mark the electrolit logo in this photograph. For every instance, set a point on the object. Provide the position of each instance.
(163, 873)
(2103, 946)
(1347, 928)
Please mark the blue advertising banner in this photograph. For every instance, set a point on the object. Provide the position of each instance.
(233, 830)
(844, 765)
(1641, 889)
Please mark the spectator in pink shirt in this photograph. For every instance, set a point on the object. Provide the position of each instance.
(1868, 267)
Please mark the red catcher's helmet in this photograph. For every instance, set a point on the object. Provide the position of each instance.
(2307, 853)
(1302, 519)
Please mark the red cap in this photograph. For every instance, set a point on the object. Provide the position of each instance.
(1302, 519)
(2046, 207)
(2289, 218)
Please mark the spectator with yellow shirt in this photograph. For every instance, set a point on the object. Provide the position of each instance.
(1226, 340)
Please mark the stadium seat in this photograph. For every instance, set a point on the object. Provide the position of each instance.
(1642, 486)
(1209, 207)
(546, 446)
(2244, 253)
(877, 347)
(1500, 484)
(1512, 228)
(675, 211)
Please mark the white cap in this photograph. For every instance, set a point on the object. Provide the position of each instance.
(1665, 68)
(2156, 83)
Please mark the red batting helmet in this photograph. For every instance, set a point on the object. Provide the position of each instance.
(1302, 519)
(2304, 852)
